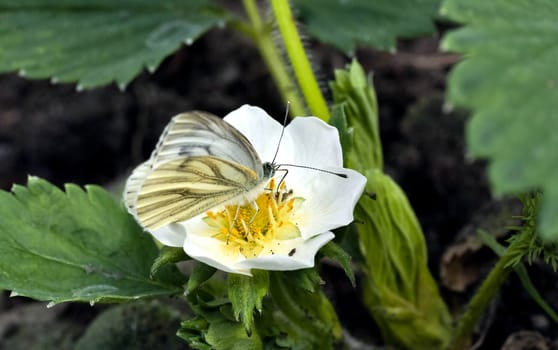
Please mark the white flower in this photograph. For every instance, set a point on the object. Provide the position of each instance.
(289, 224)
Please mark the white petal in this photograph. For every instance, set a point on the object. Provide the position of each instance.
(329, 200)
(311, 142)
(197, 226)
(260, 129)
(213, 252)
(303, 257)
(172, 235)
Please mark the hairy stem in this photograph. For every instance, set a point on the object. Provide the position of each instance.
(485, 295)
(300, 63)
(260, 32)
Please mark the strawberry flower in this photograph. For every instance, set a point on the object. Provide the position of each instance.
(292, 217)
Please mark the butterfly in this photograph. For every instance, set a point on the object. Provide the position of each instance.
(200, 162)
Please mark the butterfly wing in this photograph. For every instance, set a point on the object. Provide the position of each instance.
(203, 134)
(200, 162)
(183, 188)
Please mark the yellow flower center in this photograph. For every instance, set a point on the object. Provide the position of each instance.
(255, 228)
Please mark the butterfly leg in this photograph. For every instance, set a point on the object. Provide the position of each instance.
(233, 222)
(256, 211)
(282, 179)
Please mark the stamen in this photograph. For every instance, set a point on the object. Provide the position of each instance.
(273, 203)
(271, 218)
(290, 204)
(256, 227)
(247, 232)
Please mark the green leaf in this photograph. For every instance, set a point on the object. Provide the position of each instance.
(338, 119)
(335, 252)
(399, 290)
(523, 275)
(246, 294)
(95, 42)
(75, 246)
(133, 326)
(508, 78)
(353, 90)
(347, 23)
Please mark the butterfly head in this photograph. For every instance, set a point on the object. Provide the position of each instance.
(269, 169)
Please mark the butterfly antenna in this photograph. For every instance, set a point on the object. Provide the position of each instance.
(316, 169)
(282, 131)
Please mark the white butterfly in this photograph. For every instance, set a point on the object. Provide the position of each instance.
(200, 162)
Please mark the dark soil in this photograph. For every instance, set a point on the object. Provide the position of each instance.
(97, 136)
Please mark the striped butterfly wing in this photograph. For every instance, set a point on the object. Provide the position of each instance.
(199, 162)
(203, 134)
(183, 188)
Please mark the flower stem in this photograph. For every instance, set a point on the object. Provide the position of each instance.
(485, 295)
(261, 34)
(300, 63)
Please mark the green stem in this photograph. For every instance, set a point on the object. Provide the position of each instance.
(261, 34)
(300, 63)
(485, 295)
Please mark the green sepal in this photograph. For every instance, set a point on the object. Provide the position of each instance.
(293, 317)
(168, 255)
(305, 319)
(336, 253)
(306, 279)
(218, 335)
(246, 294)
(347, 238)
(200, 273)
(214, 326)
